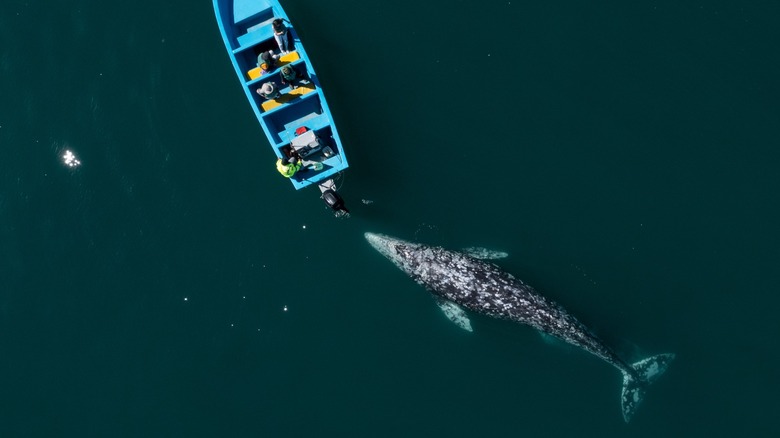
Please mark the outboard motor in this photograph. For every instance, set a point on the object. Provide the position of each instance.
(335, 202)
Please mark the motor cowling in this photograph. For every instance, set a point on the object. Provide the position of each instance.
(334, 201)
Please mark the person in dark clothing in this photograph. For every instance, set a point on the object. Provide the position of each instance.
(267, 61)
(291, 76)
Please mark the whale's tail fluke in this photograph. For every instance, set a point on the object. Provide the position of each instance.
(646, 371)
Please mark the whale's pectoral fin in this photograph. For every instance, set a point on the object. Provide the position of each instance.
(454, 313)
(484, 253)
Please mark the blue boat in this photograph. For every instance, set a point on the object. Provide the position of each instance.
(294, 115)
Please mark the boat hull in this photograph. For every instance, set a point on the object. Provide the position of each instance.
(246, 29)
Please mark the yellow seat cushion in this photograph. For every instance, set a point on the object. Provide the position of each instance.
(288, 58)
(255, 73)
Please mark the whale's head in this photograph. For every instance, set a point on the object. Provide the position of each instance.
(403, 254)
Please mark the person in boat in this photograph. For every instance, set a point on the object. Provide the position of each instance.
(267, 61)
(268, 90)
(288, 167)
(281, 36)
(291, 76)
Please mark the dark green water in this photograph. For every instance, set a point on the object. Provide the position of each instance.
(624, 155)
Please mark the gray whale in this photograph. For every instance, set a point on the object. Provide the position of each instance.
(461, 281)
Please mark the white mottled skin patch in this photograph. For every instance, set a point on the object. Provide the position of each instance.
(484, 253)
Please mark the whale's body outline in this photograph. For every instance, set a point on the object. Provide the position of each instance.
(485, 288)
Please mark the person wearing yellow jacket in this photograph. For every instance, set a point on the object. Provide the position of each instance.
(288, 167)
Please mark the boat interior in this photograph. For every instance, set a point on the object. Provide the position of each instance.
(294, 109)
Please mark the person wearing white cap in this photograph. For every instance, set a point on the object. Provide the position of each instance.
(268, 90)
